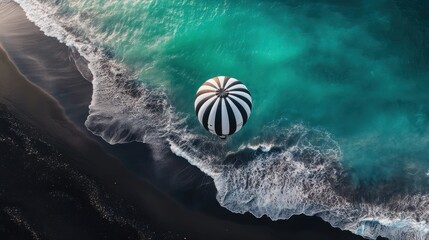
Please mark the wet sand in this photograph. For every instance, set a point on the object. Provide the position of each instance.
(62, 123)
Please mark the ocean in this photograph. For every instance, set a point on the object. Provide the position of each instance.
(339, 127)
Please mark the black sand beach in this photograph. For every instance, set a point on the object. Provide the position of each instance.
(58, 181)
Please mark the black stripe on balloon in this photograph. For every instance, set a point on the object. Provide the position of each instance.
(232, 120)
(217, 81)
(200, 104)
(241, 90)
(245, 99)
(204, 91)
(234, 83)
(241, 109)
(210, 85)
(207, 114)
(225, 81)
(218, 119)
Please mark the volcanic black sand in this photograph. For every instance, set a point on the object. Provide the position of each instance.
(58, 181)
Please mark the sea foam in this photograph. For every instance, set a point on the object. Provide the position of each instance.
(296, 172)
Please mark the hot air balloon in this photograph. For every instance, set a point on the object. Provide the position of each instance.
(223, 105)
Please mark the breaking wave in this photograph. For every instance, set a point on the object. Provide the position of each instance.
(294, 170)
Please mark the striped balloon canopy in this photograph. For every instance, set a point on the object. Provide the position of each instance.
(223, 105)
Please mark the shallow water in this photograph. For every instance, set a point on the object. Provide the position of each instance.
(339, 93)
(355, 70)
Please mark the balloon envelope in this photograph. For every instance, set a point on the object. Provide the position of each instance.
(223, 105)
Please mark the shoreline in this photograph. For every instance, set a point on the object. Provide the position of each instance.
(258, 223)
(104, 168)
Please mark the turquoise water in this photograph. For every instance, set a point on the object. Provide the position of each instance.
(354, 69)
(352, 73)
